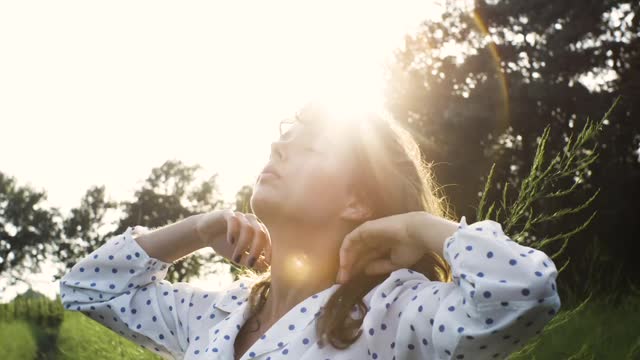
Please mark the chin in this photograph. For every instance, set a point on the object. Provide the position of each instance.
(264, 202)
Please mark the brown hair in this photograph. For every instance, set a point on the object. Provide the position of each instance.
(392, 176)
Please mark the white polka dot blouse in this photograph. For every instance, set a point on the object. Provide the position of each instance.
(502, 295)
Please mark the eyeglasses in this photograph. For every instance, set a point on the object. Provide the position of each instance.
(286, 125)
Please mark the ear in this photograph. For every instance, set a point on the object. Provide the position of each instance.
(355, 209)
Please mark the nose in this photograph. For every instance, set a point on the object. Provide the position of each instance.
(277, 149)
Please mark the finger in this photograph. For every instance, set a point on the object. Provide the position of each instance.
(245, 238)
(363, 259)
(258, 241)
(380, 267)
(362, 238)
(233, 227)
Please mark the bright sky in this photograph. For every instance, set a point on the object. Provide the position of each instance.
(99, 93)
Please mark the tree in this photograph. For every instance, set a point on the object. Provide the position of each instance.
(168, 195)
(479, 85)
(84, 228)
(27, 229)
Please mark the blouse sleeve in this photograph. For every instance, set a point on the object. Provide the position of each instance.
(120, 286)
(503, 293)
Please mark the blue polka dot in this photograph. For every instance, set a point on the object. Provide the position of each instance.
(303, 309)
(383, 326)
(525, 292)
(110, 257)
(489, 321)
(93, 284)
(97, 269)
(154, 318)
(371, 331)
(480, 274)
(227, 337)
(139, 326)
(420, 308)
(112, 286)
(452, 308)
(513, 262)
(131, 271)
(291, 327)
(469, 247)
(487, 294)
(161, 336)
(411, 347)
(305, 341)
(123, 309)
(490, 254)
(538, 273)
(81, 269)
(441, 328)
(252, 354)
(128, 257)
(137, 254)
(285, 351)
(197, 352)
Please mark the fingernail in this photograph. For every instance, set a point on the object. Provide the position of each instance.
(251, 261)
(237, 258)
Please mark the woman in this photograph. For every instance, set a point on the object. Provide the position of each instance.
(354, 258)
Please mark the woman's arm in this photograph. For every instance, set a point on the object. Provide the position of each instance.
(502, 295)
(122, 286)
(173, 241)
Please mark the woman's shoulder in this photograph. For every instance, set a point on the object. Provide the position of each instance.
(399, 282)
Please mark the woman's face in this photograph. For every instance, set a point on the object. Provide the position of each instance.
(312, 185)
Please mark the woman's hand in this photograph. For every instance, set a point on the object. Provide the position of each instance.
(237, 236)
(384, 245)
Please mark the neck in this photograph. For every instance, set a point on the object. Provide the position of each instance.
(304, 261)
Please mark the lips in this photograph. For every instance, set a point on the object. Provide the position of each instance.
(269, 169)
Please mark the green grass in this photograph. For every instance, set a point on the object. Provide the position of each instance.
(595, 330)
(83, 338)
(17, 340)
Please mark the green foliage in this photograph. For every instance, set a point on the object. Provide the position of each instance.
(530, 209)
(42, 311)
(593, 330)
(27, 229)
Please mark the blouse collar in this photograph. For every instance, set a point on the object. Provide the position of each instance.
(235, 302)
